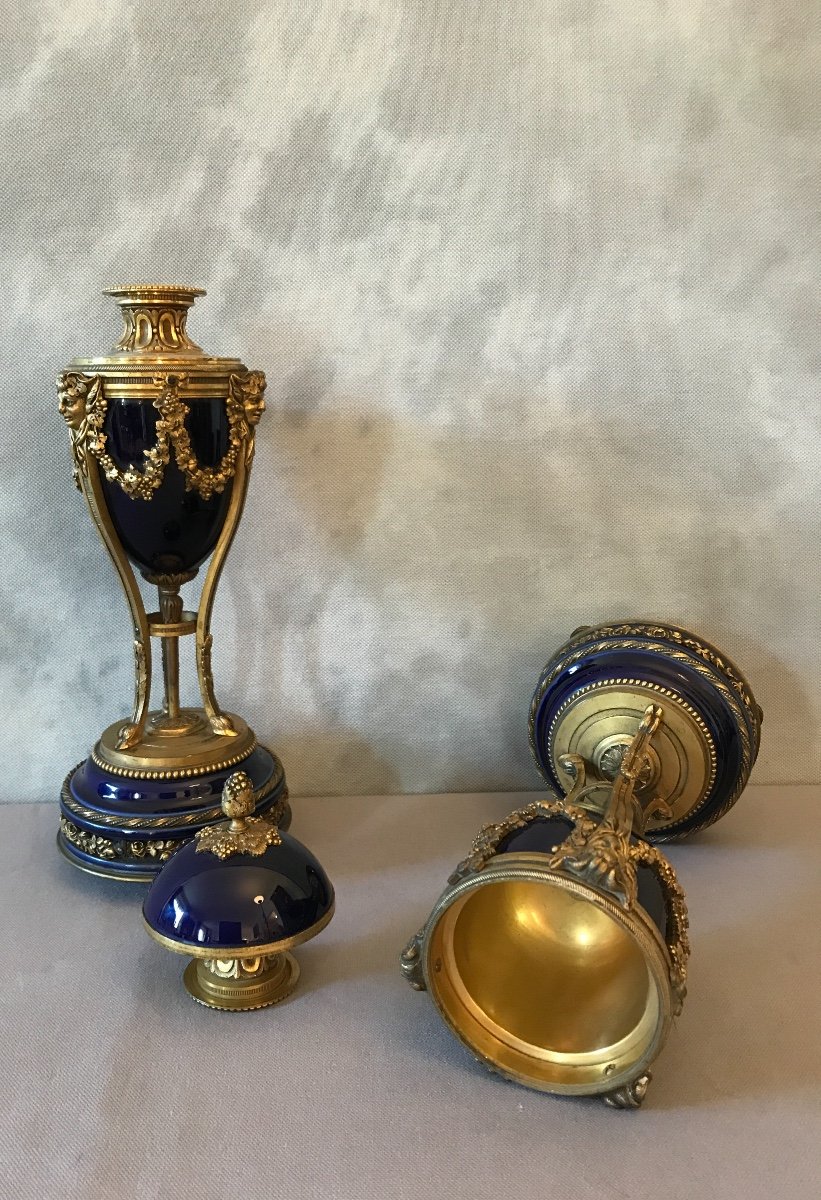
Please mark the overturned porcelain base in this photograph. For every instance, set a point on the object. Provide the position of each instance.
(241, 984)
(549, 981)
(551, 984)
(589, 701)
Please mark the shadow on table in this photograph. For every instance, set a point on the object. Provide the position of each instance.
(94, 889)
(373, 835)
(746, 1031)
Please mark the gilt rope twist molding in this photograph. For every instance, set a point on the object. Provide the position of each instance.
(132, 826)
(84, 406)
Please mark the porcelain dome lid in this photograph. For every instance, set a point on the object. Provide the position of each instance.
(240, 888)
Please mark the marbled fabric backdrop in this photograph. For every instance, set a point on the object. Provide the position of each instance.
(534, 285)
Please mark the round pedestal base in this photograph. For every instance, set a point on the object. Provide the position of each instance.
(123, 828)
(178, 749)
(241, 984)
(590, 700)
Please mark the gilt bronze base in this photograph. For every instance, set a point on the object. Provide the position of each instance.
(241, 984)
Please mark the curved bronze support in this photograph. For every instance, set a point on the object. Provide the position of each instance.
(131, 733)
(83, 404)
(602, 856)
(220, 723)
(247, 392)
(81, 398)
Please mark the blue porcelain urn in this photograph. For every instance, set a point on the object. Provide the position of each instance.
(162, 436)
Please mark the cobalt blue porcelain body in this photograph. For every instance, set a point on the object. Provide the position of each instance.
(174, 530)
(665, 664)
(239, 904)
(128, 828)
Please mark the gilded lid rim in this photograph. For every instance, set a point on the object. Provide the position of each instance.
(646, 627)
(197, 950)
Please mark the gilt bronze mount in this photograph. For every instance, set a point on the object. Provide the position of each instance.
(162, 437)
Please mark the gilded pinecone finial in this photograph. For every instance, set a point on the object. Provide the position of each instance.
(243, 833)
(238, 799)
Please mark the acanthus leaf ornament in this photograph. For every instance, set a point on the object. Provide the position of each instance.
(601, 858)
(238, 968)
(254, 838)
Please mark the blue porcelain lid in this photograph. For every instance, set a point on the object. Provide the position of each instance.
(239, 888)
